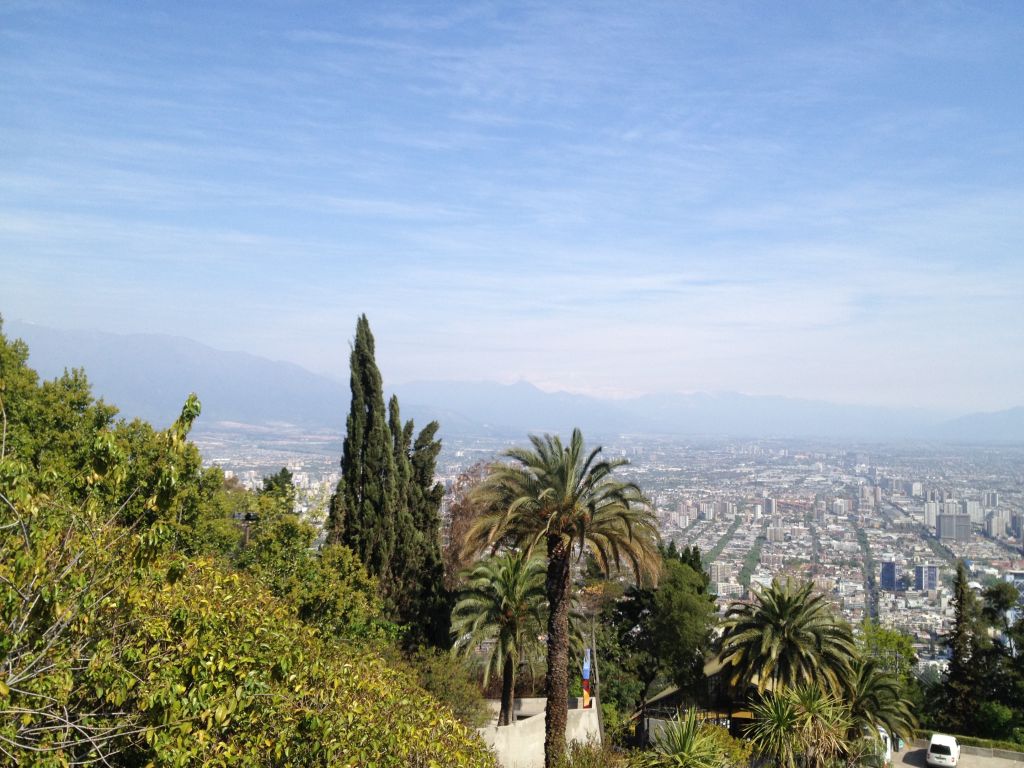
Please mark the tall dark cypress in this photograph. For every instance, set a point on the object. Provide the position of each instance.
(421, 601)
(962, 676)
(361, 513)
(387, 506)
(425, 496)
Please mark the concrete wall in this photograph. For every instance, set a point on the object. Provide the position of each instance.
(521, 745)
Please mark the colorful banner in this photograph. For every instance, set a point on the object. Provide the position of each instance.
(587, 703)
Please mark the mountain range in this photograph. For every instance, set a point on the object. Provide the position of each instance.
(149, 376)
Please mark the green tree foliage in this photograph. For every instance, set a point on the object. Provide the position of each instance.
(362, 510)
(564, 499)
(280, 488)
(891, 650)
(501, 606)
(421, 601)
(386, 507)
(653, 634)
(962, 679)
(453, 682)
(329, 589)
(983, 692)
(787, 637)
(681, 622)
(122, 642)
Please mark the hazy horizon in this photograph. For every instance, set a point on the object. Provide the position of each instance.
(13, 327)
(818, 201)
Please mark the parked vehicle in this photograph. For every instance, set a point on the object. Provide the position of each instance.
(883, 736)
(943, 751)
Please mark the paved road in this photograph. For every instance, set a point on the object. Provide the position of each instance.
(915, 757)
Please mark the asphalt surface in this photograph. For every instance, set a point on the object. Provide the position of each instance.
(915, 756)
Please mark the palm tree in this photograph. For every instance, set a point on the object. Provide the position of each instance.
(567, 501)
(876, 700)
(503, 602)
(786, 637)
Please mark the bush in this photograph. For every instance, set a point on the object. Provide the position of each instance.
(452, 682)
(592, 755)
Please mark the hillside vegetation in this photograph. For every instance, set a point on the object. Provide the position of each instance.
(138, 630)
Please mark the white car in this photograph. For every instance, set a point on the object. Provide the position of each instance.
(943, 751)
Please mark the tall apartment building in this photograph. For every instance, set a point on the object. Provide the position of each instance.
(997, 523)
(953, 527)
(926, 577)
(991, 499)
(973, 510)
(889, 576)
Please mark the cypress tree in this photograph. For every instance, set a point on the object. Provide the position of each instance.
(387, 506)
(361, 509)
(961, 677)
(425, 497)
(422, 603)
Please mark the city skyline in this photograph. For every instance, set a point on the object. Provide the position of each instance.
(819, 202)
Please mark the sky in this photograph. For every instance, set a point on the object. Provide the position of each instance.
(820, 200)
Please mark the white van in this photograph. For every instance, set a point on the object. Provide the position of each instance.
(877, 745)
(883, 736)
(943, 751)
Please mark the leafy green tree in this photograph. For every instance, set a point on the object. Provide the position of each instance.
(279, 486)
(628, 653)
(562, 498)
(997, 602)
(502, 609)
(651, 634)
(123, 645)
(681, 622)
(891, 650)
(788, 636)
(451, 680)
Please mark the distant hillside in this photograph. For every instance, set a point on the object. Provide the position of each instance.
(150, 375)
(521, 407)
(1000, 426)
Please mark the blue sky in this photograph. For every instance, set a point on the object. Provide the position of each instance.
(819, 200)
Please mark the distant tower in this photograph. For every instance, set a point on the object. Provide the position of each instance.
(889, 576)
(926, 577)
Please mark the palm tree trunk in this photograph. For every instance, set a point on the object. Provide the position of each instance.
(508, 686)
(556, 681)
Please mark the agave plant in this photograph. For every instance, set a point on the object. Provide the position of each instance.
(805, 726)
(685, 743)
